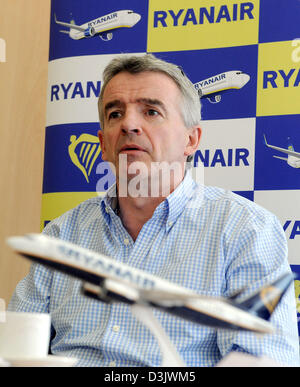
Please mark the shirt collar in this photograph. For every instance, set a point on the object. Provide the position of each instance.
(171, 207)
(179, 198)
(109, 202)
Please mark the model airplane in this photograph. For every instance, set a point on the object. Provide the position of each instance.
(293, 158)
(109, 280)
(102, 26)
(213, 87)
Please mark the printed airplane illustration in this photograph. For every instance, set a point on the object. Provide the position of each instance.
(293, 158)
(102, 26)
(212, 88)
(111, 281)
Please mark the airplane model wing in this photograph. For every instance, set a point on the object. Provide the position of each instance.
(287, 151)
(281, 158)
(109, 280)
(70, 25)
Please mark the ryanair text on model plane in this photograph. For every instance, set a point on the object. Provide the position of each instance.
(214, 14)
(112, 281)
(213, 87)
(102, 26)
(293, 158)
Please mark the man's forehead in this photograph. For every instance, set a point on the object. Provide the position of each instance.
(143, 85)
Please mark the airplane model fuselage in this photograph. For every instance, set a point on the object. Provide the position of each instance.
(293, 158)
(102, 26)
(109, 280)
(213, 87)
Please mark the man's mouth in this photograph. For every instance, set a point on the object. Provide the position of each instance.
(131, 148)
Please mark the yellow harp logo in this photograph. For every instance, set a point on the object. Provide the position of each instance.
(297, 294)
(83, 152)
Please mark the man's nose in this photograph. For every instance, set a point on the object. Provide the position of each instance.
(126, 131)
(131, 124)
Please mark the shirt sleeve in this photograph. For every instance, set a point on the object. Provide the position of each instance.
(257, 256)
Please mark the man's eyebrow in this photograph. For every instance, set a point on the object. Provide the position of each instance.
(153, 101)
(112, 104)
(147, 101)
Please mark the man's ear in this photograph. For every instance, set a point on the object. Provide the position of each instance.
(194, 136)
(101, 139)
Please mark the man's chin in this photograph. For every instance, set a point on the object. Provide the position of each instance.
(134, 167)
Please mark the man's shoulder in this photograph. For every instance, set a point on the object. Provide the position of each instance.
(84, 213)
(218, 194)
(234, 202)
(85, 207)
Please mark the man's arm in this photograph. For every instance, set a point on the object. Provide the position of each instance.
(32, 294)
(257, 257)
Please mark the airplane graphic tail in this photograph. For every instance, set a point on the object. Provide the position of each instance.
(263, 303)
(290, 146)
(73, 28)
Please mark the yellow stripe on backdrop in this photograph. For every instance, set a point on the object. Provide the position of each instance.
(57, 203)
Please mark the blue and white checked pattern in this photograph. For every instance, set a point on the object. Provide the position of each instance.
(211, 241)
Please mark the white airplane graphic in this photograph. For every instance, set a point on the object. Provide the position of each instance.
(293, 158)
(111, 281)
(213, 87)
(102, 26)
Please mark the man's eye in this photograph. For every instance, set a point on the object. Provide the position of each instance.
(114, 115)
(152, 112)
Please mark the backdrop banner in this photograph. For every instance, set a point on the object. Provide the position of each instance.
(243, 56)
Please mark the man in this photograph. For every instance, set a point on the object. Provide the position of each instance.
(142, 120)
(203, 238)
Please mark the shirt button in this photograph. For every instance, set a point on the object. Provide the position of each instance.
(112, 364)
(116, 328)
(126, 241)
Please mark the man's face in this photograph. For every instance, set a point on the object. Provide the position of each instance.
(142, 120)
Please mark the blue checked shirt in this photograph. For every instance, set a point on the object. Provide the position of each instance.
(204, 238)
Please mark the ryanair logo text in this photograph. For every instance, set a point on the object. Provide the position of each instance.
(74, 90)
(223, 158)
(281, 78)
(214, 14)
(210, 81)
(103, 19)
(292, 228)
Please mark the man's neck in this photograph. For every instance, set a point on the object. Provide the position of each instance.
(136, 211)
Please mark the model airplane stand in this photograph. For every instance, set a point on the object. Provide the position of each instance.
(170, 356)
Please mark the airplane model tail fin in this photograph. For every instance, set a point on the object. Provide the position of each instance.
(263, 303)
